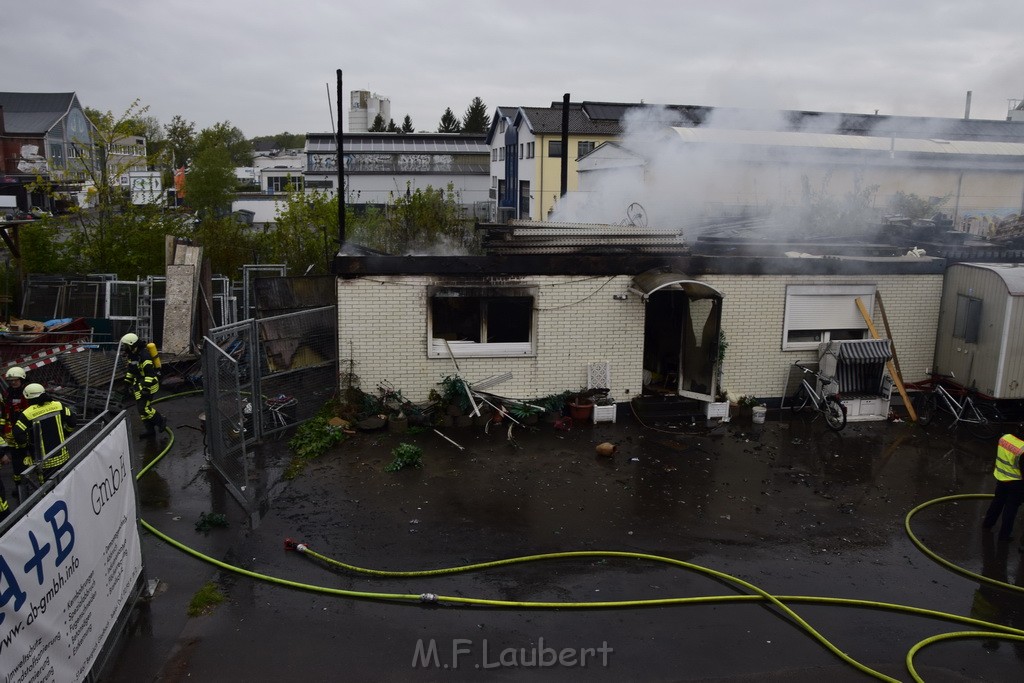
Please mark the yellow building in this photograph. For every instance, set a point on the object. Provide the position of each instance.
(526, 156)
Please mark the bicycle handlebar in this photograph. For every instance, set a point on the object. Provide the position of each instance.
(823, 378)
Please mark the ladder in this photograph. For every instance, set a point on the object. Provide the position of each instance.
(144, 310)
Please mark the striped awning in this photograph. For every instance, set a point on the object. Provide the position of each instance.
(865, 351)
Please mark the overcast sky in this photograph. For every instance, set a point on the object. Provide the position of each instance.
(265, 65)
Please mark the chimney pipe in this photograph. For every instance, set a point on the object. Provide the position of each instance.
(565, 144)
(967, 107)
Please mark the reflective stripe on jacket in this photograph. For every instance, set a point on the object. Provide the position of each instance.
(43, 426)
(1008, 458)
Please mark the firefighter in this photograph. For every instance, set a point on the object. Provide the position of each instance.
(43, 425)
(1009, 493)
(12, 403)
(143, 379)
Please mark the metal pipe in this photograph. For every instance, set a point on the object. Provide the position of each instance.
(967, 107)
(340, 138)
(113, 374)
(565, 144)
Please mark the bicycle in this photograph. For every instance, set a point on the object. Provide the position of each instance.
(829, 406)
(982, 418)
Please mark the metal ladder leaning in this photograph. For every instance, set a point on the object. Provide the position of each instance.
(144, 310)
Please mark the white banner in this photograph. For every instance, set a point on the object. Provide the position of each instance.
(68, 567)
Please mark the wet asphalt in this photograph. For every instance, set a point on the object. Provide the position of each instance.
(789, 506)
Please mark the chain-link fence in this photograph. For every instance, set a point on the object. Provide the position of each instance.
(229, 415)
(81, 375)
(298, 370)
(264, 376)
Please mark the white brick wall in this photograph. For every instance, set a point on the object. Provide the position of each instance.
(382, 324)
(752, 318)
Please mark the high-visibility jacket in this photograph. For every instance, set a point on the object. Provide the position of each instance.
(40, 428)
(141, 374)
(1008, 458)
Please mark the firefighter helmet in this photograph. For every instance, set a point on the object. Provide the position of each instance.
(130, 339)
(15, 373)
(33, 391)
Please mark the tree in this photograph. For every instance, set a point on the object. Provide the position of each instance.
(113, 235)
(407, 126)
(210, 182)
(231, 138)
(449, 124)
(417, 221)
(181, 139)
(378, 125)
(476, 118)
(392, 128)
(910, 205)
(305, 232)
(283, 140)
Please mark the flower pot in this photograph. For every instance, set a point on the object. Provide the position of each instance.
(580, 411)
(398, 424)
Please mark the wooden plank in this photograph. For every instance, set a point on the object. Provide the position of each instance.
(888, 331)
(179, 308)
(911, 413)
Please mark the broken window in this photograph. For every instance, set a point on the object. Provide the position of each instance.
(483, 321)
(823, 313)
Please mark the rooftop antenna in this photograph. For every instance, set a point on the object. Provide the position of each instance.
(330, 108)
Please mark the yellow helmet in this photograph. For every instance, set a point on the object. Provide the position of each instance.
(130, 339)
(33, 391)
(15, 373)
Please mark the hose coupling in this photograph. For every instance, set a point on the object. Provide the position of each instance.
(428, 598)
(289, 544)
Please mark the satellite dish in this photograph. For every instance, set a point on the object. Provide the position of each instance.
(636, 215)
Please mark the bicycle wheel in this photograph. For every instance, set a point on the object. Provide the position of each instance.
(799, 401)
(835, 415)
(924, 406)
(983, 419)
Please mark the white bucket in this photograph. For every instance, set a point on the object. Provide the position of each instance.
(759, 413)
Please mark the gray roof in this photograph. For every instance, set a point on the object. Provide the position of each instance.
(409, 143)
(34, 113)
(1012, 275)
(548, 121)
(604, 118)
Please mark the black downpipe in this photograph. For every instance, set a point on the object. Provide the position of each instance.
(341, 171)
(565, 144)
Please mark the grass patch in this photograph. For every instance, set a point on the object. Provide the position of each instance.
(205, 599)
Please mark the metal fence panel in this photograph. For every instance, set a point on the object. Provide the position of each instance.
(227, 422)
(298, 354)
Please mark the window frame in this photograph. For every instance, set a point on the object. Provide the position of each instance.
(436, 348)
(554, 145)
(584, 147)
(826, 303)
(967, 319)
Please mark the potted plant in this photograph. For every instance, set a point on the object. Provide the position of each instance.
(746, 404)
(581, 406)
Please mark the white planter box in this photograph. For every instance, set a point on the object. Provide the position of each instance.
(604, 413)
(719, 409)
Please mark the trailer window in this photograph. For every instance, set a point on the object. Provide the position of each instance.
(968, 319)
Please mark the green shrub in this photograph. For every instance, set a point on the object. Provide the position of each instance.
(405, 455)
(312, 439)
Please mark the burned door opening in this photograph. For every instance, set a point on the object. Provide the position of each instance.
(682, 329)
